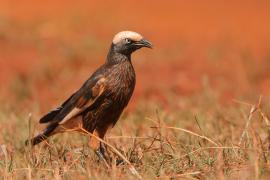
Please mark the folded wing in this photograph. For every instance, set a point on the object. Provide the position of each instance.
(85, 97)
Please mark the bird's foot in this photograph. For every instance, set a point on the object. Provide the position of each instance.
(102, 156)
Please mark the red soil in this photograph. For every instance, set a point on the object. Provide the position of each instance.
(221, 44)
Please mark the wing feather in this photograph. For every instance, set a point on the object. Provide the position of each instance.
(48, 117)
(78, 102)
(89, 95)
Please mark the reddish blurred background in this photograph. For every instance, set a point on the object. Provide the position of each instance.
(48, 48)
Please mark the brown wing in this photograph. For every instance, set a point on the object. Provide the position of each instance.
(78, 102)
(86, 99)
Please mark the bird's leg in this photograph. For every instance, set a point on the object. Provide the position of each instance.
(98, 146)
(102, 149)
(101, 154)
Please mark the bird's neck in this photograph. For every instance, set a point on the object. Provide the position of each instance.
(115, 57)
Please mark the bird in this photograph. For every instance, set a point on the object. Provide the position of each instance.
(98, 104)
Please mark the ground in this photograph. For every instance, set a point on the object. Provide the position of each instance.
(192, 101)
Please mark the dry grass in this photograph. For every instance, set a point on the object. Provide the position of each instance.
(201, 140)
(46, 46)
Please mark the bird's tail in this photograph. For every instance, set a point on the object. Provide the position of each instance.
(37, 139)
(43, 136)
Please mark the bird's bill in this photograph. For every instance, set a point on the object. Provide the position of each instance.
(144, 43)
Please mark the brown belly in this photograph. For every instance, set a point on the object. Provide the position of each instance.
(104, 115)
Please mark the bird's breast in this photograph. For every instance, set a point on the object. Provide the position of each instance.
(121, 84)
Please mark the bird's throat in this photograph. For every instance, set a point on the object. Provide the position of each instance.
(114, 57)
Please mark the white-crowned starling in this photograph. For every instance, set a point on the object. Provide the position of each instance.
(98, 104)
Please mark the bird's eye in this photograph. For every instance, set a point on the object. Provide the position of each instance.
(128, 41)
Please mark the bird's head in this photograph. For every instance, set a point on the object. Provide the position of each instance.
(126, 42)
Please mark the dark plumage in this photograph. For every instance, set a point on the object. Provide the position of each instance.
(98, 104)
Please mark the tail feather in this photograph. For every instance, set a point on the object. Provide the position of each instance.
(50, 116)
(36, 140)
(43, 136)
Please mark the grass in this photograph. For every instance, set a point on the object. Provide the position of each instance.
(195, 142)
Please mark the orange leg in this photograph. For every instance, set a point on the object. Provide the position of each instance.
(98, 146)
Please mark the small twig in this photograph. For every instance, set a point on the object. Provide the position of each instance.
(190, 132)
(201, 149)
(241, 102)
(265, 118)
(253, 109)
(40, 169)
(151, 144)
(184, 130)
(4, 150)
(196, 119)
(128, 137)
(29, 126)
(29, 172)
(187, 174)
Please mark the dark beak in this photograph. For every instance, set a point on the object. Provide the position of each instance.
(144, 43)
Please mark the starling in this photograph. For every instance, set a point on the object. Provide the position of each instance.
(98, 104)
